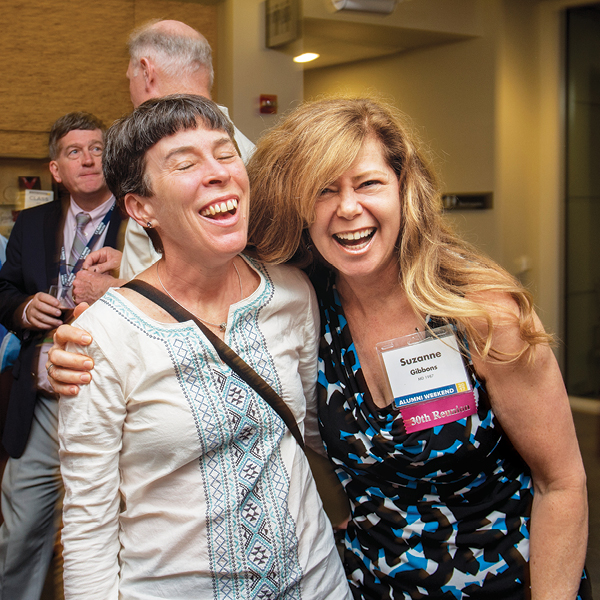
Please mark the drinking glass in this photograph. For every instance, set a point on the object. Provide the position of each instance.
(67, 305)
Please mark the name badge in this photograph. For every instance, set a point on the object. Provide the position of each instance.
(428, 378)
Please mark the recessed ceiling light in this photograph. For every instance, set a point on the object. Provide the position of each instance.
(306, 57)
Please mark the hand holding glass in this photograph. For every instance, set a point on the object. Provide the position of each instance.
(67, 305)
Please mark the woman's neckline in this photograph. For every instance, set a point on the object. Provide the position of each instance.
(361, 382)
(127, 299)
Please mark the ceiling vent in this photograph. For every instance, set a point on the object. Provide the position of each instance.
(382, 7)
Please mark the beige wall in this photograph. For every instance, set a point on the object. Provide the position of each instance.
(60, 56)
(517, 139)
(250, 69)
(452, 16)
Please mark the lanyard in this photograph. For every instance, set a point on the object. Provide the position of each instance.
(66, 277)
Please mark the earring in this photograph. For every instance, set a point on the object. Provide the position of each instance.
(149, 225)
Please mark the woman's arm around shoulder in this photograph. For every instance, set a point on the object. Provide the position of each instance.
(70, 369)
(90, 436)
(308, 372)
(529, 399)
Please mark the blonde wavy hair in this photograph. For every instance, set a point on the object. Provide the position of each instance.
(441, 274)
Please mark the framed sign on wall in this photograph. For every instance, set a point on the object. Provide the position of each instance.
(283, 22)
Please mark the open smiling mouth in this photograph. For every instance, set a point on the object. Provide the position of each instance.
(220, 209)
(356, 240)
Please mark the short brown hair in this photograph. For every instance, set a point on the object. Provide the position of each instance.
(129, 138)
(70, 122)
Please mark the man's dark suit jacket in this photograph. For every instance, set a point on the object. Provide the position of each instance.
(31, 266)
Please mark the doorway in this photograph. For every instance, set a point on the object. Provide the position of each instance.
(582, 301)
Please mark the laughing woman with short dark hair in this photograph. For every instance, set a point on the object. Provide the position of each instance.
(181, 481)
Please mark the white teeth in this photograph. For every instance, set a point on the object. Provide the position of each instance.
(221, 207)
(355, 235)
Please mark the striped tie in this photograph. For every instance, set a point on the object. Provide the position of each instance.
(80, 241)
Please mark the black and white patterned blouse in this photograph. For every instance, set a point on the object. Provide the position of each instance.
(439, 513)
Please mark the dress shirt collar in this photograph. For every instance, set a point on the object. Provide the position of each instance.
(97, 213)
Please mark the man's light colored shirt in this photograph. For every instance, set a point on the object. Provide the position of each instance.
(97, 214)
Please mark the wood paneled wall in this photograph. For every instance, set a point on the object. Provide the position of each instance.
(57, 56)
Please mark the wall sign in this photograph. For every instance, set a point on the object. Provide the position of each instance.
(283, 22)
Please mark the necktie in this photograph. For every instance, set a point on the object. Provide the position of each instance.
(79, 242)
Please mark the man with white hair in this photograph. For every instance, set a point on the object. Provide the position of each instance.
(170, 57)
(166, 57)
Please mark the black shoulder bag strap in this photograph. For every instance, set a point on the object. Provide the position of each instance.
(227, 355)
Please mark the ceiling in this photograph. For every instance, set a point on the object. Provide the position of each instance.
(340, 42)
(351, 35)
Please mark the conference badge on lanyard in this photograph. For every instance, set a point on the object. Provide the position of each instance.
(428, 378)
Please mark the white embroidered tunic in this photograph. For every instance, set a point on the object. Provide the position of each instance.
(180, 481)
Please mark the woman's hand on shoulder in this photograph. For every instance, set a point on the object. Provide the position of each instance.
(68, 370)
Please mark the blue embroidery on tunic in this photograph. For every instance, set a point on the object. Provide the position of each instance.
(251, 535)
